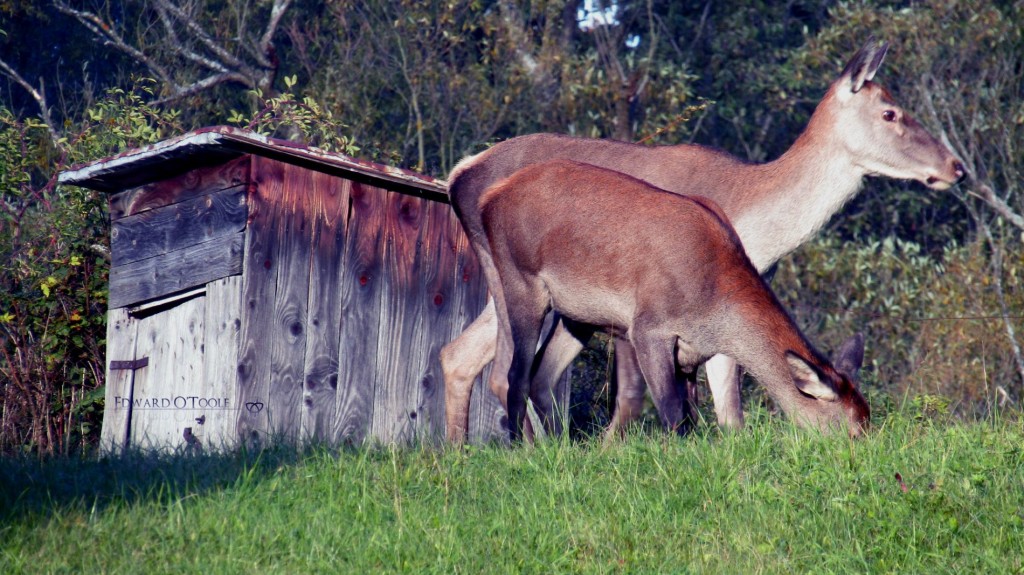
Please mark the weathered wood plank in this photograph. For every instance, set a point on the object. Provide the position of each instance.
(286, 339)
(166, 229)
(121, 335)
(175, 271)
(192, 184)
(432, 329)
(328, 206)
(394, 409)
(223, 323)
(360, 314)
(169, 390)
(259, 294)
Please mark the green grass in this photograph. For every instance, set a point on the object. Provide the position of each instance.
(771, 499)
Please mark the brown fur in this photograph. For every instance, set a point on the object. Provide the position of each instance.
(774, 207)
(669, 272)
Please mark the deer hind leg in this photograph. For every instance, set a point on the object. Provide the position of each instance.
(655, 352)
(724, 379)
(462, 361)
(561, 347)
(519, 325)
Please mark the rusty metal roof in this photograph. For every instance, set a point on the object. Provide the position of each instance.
(218, 144)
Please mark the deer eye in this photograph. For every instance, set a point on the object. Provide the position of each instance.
(889, 116)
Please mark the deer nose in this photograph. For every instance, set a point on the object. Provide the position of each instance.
(959, 170)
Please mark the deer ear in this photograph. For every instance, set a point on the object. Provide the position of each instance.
(808, 380)
(850, 356)
(862, 67)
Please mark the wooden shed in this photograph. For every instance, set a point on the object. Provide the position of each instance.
(261, 290)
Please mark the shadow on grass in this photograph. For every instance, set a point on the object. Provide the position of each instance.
(34, 489)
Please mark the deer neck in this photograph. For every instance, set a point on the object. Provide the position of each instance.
(789, 199)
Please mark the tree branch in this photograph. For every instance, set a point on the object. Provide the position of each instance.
(977, 188)
(201, 85)
(38, 95)
(276, 13)
(190, 24)
(106, 32)
(997, 274)
(179, 47)
(985, 192)
(186, 38)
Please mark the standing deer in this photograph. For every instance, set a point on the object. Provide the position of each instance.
(666, 271)
(856, 130)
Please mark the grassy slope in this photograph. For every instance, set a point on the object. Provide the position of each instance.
(771, 499)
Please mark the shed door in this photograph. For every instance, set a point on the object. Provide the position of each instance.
(170, 371)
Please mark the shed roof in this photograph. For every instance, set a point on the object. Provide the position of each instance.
(218, 144)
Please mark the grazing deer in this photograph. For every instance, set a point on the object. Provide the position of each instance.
(856, 130)
(666, 271)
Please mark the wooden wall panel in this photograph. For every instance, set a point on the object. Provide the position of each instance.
(287, 337)
(169, 389)
(176, 271)
(166, 229)
(121, 336)
(259, 296)
(193, 184)
(433, 323)
(361, 287)
(328, 205)
(223, 324)
(394, 409)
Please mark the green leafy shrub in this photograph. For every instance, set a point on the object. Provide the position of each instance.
(53, 280)
(287, 116)
(932, 325)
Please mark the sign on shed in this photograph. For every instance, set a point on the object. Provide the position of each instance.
(261, 290)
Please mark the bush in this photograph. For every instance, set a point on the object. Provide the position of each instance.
(932, 325)
(53, 282)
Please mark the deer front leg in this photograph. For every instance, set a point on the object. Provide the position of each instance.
(564, 344)
(655, 354)
(724, 379)
(462, 361)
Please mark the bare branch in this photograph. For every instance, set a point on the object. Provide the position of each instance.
(185, 37)
(997, 275)
(979, 189)
(276, 13)
(986, 193)
(179, 47)
(201, 85)
(38, 95)
(106, 32)
(193, 27)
